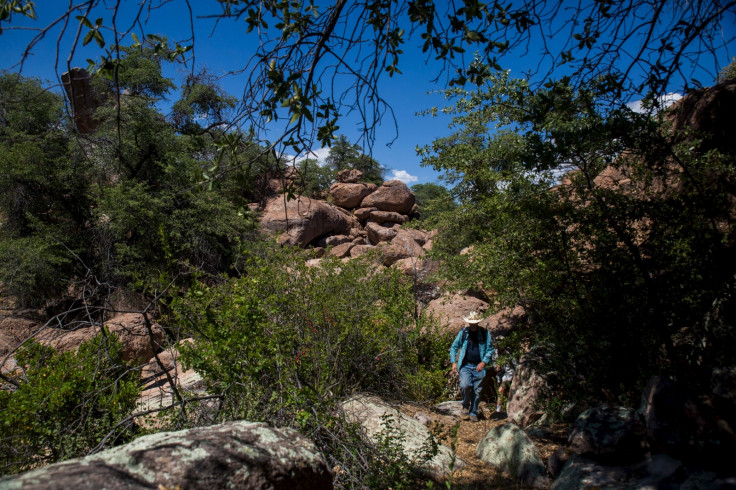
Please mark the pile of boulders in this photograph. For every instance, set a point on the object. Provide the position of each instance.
(357, 218)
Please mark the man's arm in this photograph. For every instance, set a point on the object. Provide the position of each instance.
(489, 349)
(453, 350)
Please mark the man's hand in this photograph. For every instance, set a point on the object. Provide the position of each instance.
(481, 366)
(454, 368)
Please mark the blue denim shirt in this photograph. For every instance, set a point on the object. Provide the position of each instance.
(485, 345)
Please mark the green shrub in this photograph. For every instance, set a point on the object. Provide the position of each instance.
(286, 336)
(286, 343)
(65, 403)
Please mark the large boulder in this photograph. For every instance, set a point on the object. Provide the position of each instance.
(301, 220)
(390, 253)
(419, 236)
(238, 454)
(449, 309)
(158, 392)
(349, 176)
(363, 213)
(505, 321)
(507, 447)
(693, 428)
(405, 240)
(528, 389)
(359, 250)
(393, 196)
(138, 345)
(378, 233)
(417, 268)
(613, 435)
(709, 112)
(15, 330)
(349, 196)
(373, 414)
(342, 250)
(378, 216)
(659, 471)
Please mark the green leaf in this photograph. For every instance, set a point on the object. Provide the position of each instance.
(85, 21)
(88, 38)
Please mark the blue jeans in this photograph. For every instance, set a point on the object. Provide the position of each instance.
(470, 386)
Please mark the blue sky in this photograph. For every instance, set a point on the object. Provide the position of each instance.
(227, 48)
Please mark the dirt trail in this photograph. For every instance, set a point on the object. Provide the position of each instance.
(478, 474)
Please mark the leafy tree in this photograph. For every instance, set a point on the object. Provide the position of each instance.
(313, 180)
(601, 268)
(202, 99)
(91, 211)
(344, 155)
(728, 72)
(433, 200)
(44, 200)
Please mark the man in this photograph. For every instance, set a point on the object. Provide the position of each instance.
(475, 350)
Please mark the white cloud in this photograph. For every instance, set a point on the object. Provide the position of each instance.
(320, 154)
(665, 101)
(403, 176)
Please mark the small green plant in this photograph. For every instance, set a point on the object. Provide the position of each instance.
(65, 403)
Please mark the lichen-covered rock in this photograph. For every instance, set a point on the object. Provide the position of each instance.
(302, 219)
(614, 435)
(393, 196)
(368, 411)
(507, 447)
(237, 454)
(528, 387)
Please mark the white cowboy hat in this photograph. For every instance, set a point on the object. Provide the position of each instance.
(473, 317)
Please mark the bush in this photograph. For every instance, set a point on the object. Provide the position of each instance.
(286, 343)
(65, 403)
